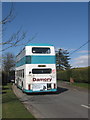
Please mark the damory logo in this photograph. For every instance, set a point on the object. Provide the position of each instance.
(42, 79)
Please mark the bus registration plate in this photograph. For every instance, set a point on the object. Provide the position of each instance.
(39, 87)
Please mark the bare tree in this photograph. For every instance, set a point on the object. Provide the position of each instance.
(9, 17)
(17, 38)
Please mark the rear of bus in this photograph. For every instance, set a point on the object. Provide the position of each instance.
(41, 73)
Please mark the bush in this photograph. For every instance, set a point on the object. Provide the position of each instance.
(78, 74)
(64, 75)
(61, 75)
(4, 78)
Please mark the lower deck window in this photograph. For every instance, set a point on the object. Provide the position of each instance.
(41, 71)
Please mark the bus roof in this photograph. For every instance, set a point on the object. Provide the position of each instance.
(38, 44)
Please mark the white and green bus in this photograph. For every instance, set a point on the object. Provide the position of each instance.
(36, 68)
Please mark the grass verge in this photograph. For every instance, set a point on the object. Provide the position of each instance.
(11, 106)
(83, 85)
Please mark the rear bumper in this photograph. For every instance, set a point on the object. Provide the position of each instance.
(31, 91)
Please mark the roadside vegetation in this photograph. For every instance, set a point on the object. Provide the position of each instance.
(11, 106)
(77, 76)
(84, 85)
(80, 85)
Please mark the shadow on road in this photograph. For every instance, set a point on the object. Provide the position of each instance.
(41, 98)
(59, 91)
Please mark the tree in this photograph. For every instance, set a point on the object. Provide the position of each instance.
(62, 59)
(8, 62)
(18, 37)
(8, 65)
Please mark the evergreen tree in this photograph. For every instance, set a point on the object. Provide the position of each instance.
(62, 59)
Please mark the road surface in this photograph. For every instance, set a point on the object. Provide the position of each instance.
(69, 102)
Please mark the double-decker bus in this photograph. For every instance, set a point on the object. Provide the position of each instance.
(36, 69)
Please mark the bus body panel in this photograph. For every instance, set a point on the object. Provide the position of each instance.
(37, 72)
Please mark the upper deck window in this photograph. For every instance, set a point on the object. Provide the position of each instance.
(38, 50)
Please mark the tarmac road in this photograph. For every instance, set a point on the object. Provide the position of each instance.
(69, 102)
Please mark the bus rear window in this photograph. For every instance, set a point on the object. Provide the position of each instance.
(38, 50)
(41, 71)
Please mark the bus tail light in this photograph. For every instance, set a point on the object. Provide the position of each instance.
(53, 71)
(29, 87)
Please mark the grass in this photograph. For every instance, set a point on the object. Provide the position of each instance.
(11, 106)
(83, 85)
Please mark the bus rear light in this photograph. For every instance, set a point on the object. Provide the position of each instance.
(29, 87)
(53, 71)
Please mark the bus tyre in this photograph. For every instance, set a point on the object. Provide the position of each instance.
(22, 90)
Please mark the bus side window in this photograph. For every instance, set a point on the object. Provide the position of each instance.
(28, 59)
(23, 73)
(19, 73)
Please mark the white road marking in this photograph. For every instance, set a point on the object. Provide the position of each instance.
(85, 106)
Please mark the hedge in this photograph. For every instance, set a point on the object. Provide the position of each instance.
(78, 74)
